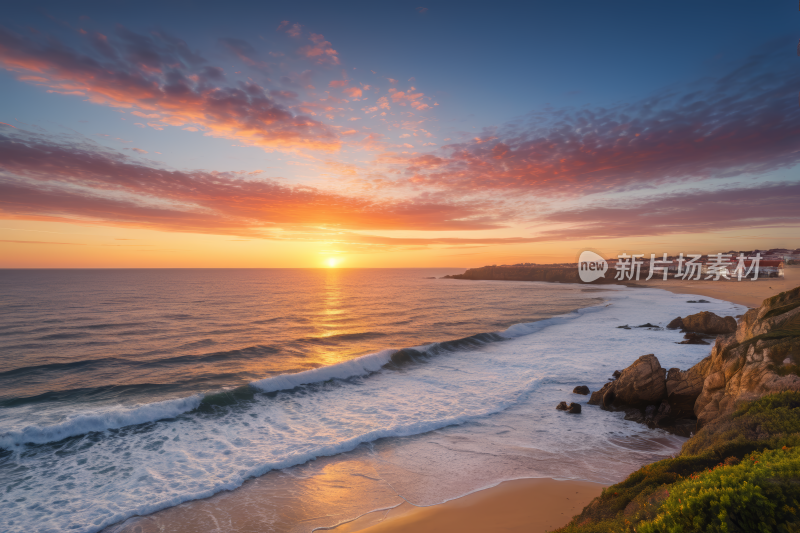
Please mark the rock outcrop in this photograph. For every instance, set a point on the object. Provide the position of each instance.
(684, 386)
(706, 323)
(641, 384)
(676, 323)
(709, 323)
(641, 391)
(581, 389)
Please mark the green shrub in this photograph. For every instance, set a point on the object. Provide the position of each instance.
(769, 422)
(761, 493)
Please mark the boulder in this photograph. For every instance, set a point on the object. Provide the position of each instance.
(597, 396)
(709, 323)
(573, 408)
(676, 323)
(684, 387)
(581, 389)
(641, 384)
(692, 338)
(616, 374)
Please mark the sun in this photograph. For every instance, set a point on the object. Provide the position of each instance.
(332, 262)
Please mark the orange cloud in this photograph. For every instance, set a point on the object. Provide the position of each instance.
(44, 180)
(353, 92)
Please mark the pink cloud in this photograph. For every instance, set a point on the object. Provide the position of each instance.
(321, 52)
(158, 74)
(747, 122)
(771, 205)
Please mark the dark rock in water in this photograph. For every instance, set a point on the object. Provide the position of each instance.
(597, 396)
(626, 326)
(581, 389)
(616, 374)
(709, 323)
(676, 324)
(574, 408)
(692, 338)
(697, 302)
(635, 415)
(648, 325)
(641, 384)
(431, 277)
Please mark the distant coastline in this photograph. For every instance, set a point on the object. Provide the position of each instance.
(549, 273)
(746, 293)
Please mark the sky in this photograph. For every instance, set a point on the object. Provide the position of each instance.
(376, 134)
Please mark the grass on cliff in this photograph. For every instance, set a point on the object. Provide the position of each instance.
(770, 423)
(760, 493)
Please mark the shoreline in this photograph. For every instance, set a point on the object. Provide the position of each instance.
(747, 293)
(530, 505)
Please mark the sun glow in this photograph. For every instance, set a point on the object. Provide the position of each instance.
(331, 262)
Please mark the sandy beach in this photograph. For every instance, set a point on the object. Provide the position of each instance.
(749, 293)
(524, 505)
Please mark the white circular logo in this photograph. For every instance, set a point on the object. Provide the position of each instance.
(591, 266)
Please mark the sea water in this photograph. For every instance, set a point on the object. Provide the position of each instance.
(124, 393)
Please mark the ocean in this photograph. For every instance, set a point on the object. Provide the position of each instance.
(312, 395)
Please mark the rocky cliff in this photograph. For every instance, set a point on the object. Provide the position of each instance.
(760, 358)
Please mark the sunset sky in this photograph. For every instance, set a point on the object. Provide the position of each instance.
(382, 134)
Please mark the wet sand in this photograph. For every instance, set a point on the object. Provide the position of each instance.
(524, 505)
(749, 293)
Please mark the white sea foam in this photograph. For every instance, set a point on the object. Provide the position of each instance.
(87, 422)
